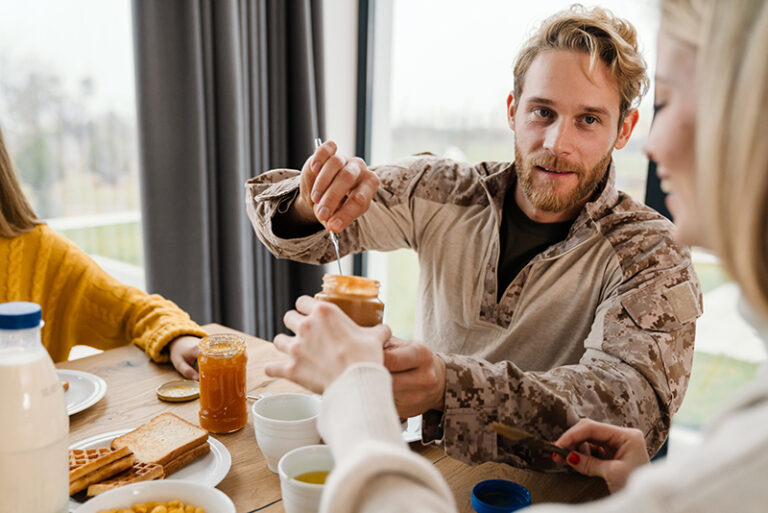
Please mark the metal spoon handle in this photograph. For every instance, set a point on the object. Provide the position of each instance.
(334, 238)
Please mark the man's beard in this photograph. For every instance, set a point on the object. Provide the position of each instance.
(545, 196)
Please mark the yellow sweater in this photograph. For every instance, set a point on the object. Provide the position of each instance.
(83, 305)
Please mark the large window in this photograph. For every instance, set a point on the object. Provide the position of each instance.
(67, 110)
(442, 70)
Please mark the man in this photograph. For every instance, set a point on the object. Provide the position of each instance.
(549, 295)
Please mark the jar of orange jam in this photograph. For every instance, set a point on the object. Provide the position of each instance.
(221, 363)
(357, 297)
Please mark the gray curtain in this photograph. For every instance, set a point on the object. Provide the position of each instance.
(226, 90)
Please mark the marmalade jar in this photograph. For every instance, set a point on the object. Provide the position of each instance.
(357, 297)
(221, 363)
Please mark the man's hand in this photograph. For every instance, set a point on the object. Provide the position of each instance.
(607, 451)
(184, 356)
(334, 189)
(327, 341)
(418, 377)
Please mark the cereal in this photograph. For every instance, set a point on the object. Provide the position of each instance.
(174, 506)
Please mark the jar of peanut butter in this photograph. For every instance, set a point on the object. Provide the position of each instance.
(357, 297)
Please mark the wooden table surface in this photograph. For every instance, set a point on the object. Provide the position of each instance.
(130, 401)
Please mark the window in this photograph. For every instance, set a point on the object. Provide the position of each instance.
(442, 70)
(67, 110)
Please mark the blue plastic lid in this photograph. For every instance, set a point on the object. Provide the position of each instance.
(19, 315)
(499, 496)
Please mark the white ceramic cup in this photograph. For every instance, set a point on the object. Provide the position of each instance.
(283, 422)
(300, 497)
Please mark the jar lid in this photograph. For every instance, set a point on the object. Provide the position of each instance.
(19, 315)
(499, 496)
(178, 391)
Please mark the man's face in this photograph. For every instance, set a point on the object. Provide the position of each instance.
(566, 127)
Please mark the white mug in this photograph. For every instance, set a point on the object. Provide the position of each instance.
(298, 496)
(283, 422)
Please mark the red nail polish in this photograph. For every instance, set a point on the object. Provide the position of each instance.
(573, 458)
(553, 455)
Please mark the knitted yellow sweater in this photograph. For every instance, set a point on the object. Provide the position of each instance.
(83, 305)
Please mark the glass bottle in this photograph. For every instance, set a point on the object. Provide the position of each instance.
(358, 297)
(34, 425)
(222, 364)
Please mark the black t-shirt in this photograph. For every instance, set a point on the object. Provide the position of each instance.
(522, 239)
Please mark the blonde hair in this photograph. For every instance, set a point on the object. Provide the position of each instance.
(731, 152)
(598, 33)
(16, 214)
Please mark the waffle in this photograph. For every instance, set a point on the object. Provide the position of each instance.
(87, 466)
(138, 472)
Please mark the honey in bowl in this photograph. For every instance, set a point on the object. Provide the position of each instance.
(317, 477)
(357, 297)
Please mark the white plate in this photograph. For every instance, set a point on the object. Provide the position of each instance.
(413, 432)
(85, 389)
(202, 496)
(208, 470)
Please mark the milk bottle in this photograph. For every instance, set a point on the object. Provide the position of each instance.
(34, 467)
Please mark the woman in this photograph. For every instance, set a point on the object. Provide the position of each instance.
(708, 140)
(81, 303)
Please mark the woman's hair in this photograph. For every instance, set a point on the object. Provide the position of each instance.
(731, 148)
(16, 214)
(601, 35)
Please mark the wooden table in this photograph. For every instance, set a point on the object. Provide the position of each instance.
(130, 401)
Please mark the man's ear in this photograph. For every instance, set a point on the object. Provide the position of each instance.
(625, 130)
(511, 111)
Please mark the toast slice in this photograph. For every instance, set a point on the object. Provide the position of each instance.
(186, 458)
(102, 466)
(137, 472)
(162, 439)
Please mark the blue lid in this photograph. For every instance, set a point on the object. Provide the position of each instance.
(499, 496)
(19, 315)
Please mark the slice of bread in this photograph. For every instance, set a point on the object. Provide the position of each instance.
(162, 439)
(186, 458)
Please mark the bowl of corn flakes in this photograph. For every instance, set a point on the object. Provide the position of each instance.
(164, 496)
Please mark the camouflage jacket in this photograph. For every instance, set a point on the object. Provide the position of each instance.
(599, 325)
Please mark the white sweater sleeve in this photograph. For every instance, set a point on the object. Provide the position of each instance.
(375, 471)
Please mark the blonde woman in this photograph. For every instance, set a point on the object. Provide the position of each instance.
(708, 138)
(82, 305)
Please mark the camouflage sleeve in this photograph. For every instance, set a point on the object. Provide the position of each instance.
(387, 225)
(634, 372)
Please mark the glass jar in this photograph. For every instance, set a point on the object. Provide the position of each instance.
(222, 363)
(358, 297)
(34, 425)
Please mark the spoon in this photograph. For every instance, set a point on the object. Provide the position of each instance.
(334, 238)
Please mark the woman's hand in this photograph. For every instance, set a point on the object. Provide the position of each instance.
(604, 450)
(327, 341)
(184, 356)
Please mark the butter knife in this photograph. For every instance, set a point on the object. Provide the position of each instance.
(526, 438)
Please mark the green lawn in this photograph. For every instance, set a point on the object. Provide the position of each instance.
(120, 242)
(715, 380)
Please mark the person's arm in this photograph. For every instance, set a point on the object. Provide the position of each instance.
(97, 310)
(375, 471)
(279, 214)
(633, 373)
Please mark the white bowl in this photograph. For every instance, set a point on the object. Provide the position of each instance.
(203, 496)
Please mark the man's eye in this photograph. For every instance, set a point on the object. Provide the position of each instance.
(590, 120)
(542, 112)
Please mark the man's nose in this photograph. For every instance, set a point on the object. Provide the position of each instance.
(558, 138)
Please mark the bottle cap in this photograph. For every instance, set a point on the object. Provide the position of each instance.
(499, 496)
(19, 315)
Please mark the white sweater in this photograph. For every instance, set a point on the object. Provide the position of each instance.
(376, 472)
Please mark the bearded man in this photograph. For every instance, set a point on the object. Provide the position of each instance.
(545, 295)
